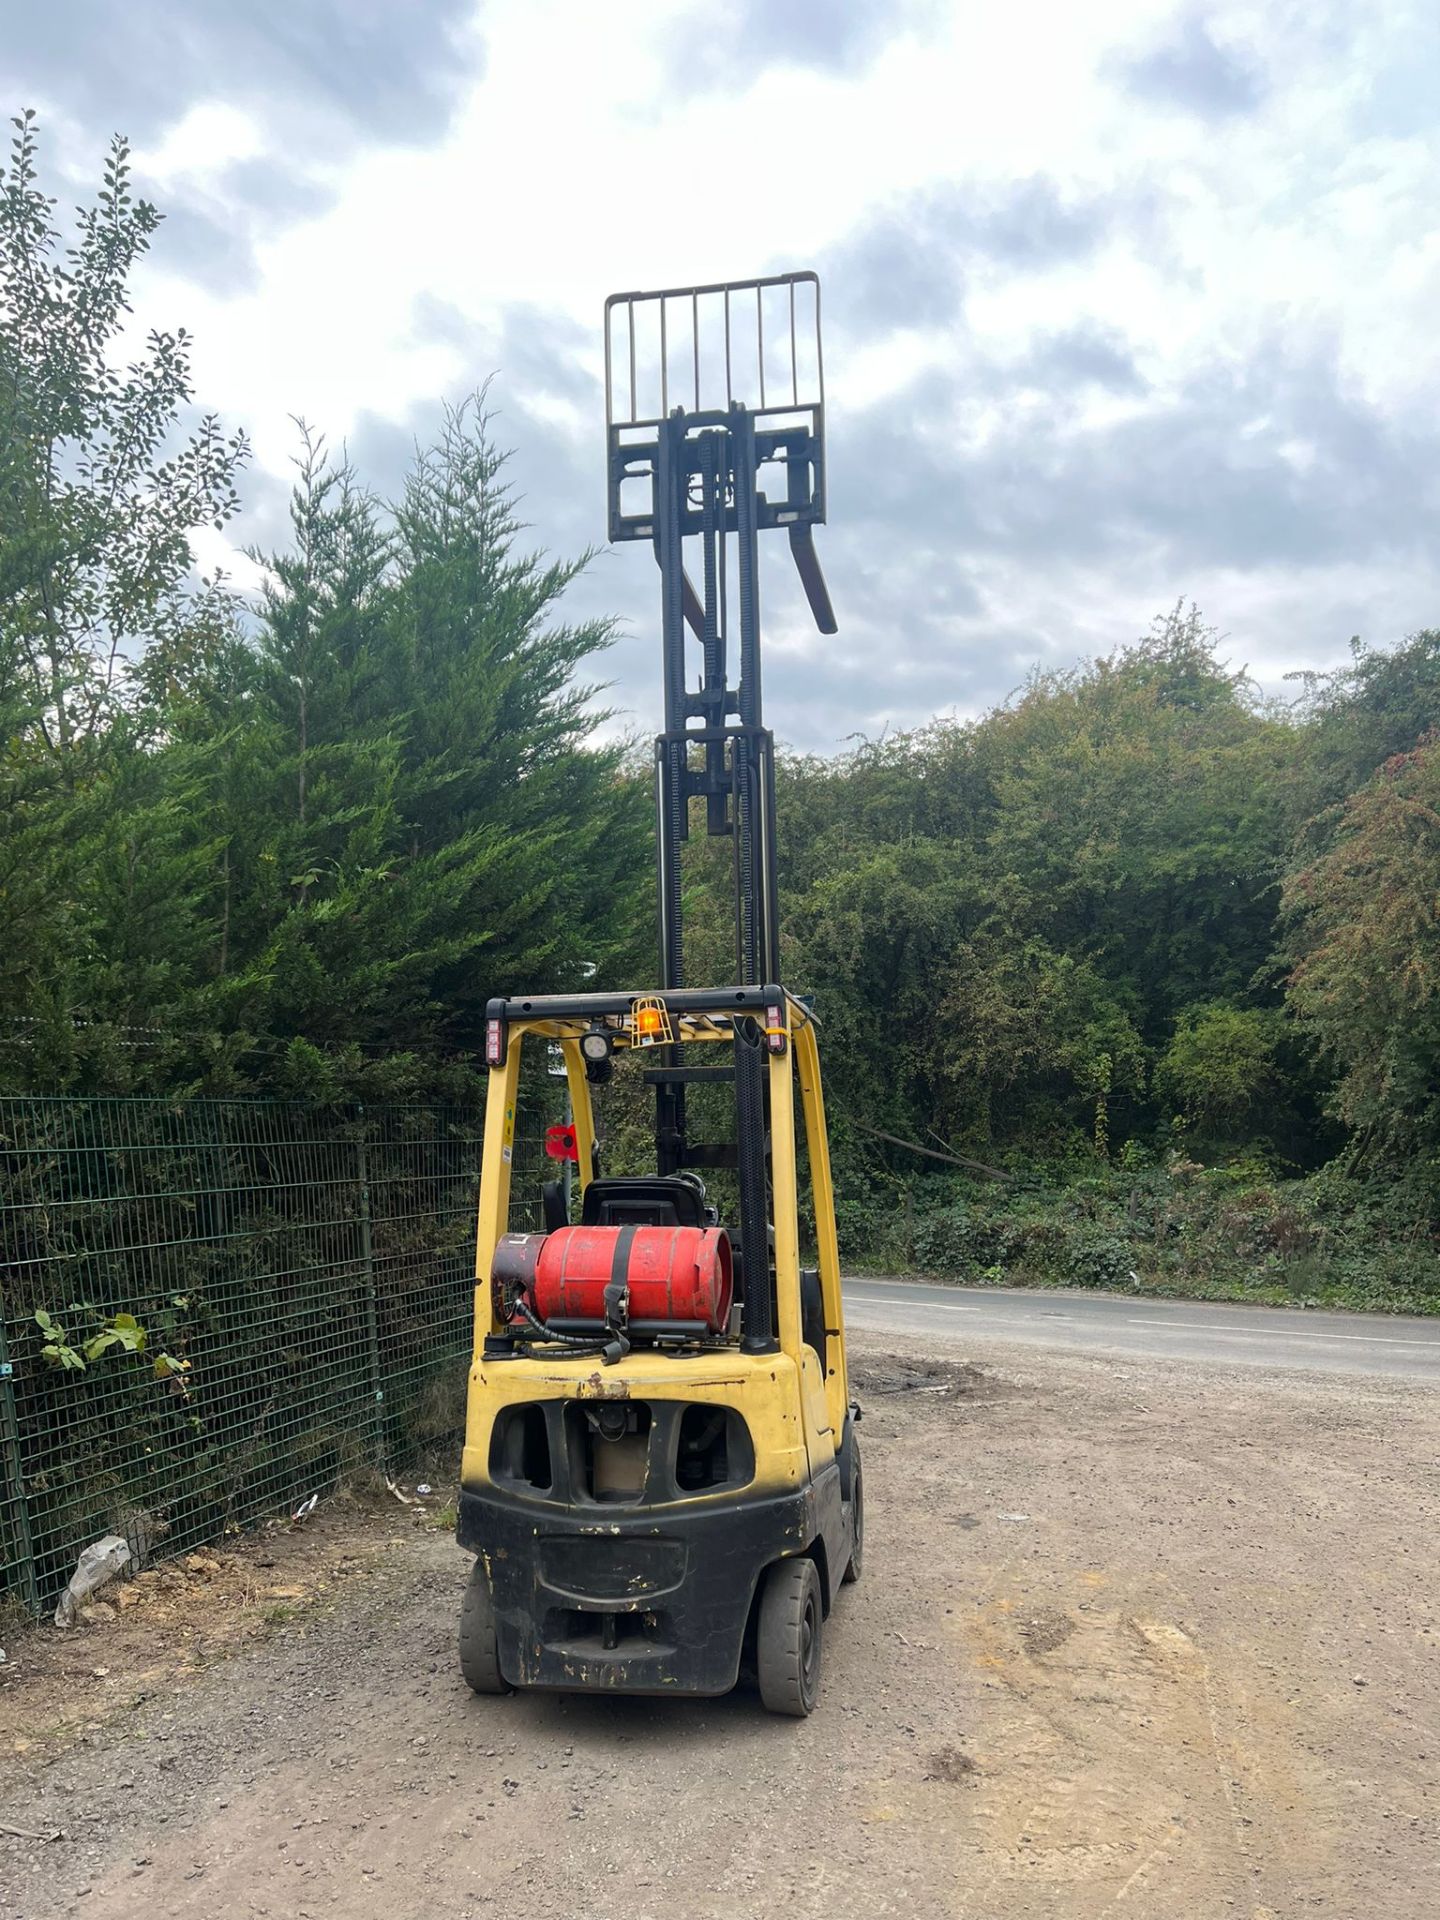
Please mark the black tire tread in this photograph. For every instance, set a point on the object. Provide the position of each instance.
(789, 1587)
(479, 1656)
(855, 1565)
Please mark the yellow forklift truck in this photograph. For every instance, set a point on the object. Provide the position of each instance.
(661, 1478)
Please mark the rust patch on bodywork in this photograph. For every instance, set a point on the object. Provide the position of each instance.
(599, 1386)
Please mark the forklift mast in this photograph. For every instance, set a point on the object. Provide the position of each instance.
(715, 431)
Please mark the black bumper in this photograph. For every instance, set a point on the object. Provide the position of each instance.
(649, 1602)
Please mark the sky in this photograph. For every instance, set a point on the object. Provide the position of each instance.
(1125, 303)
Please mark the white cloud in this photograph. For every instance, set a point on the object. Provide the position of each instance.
(210, 137)
(1296, 233)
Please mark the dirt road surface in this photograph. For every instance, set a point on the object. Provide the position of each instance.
(1134, 1639)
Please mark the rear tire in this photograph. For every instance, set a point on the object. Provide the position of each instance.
(479, 1656)
(857, 1550)
(788, 1638)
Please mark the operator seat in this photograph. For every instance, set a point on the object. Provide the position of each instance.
(646, 1200)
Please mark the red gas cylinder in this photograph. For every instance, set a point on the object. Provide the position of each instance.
(673, 1273)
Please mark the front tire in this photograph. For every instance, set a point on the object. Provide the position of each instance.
(788, 1638)
(479, 1656)
(857, 1547)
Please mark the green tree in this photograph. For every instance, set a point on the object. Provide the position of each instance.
(1363, 920)
(1220, 1069)
(1139, 805)
(97, 493)
(299, 848)
(433, 823)
(1382, 702)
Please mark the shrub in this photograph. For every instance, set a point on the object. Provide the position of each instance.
(944, 1241)
(1229, 1231)
(1095, 1256)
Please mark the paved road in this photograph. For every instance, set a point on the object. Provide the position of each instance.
(1159, 1329)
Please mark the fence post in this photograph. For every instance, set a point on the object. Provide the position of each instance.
(12, 1484)
(372, 1314)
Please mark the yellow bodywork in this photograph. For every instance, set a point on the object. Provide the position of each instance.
(793, 1403)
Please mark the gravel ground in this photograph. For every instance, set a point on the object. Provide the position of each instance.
(1133, 1639)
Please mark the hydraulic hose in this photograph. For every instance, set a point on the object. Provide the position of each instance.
(576, 1345)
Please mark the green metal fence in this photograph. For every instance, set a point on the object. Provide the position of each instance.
(303, 1280)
